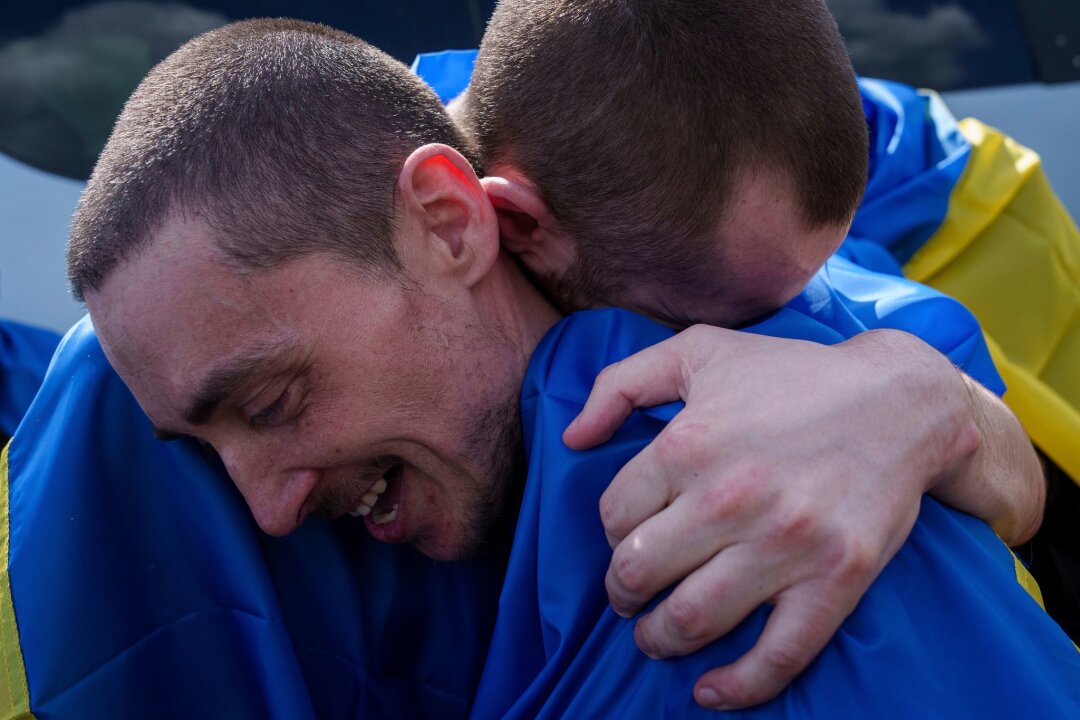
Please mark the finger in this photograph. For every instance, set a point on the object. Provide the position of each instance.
(799, 627)
(651, 377)
(640, 490)
(663, 549)
(656, 475)
(707, 604)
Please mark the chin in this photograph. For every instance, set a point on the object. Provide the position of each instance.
(489, 527)
(445, 552)
(450, 542)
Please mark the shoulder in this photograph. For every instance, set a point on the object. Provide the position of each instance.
(570, 356)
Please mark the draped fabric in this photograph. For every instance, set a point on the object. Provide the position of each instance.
(946, 631)
(25, 352)
(968, 210)
(999, 240)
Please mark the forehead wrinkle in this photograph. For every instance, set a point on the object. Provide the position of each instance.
(229, 376)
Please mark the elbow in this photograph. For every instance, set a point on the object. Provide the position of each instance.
(1028, 523)
(1026, 531)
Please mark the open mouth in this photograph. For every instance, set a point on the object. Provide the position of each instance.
(379, 506)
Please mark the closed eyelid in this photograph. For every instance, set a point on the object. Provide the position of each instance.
(270, 412)
(271, 388)
(285, 407)
(230, 377)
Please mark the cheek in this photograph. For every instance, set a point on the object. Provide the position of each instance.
(323, 437)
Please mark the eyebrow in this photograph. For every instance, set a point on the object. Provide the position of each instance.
(228, 377)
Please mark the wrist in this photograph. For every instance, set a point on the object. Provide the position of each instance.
(933, 402)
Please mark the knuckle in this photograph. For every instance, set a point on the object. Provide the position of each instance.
(629, 573)
(684, 444)
(786, 659)
(798, 528)
(728, 499)
(686, 618)
(606, 381)
(700, 334)
(855, 561)
(695, 333)
(613, 515)
(805, 528)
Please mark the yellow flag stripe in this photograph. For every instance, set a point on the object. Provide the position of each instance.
(14, 693)
(1009, 251)
(1027, 581)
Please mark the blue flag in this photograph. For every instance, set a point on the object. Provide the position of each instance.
(917, 156)
(24, 355)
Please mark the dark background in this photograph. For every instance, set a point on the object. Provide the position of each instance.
(67, 67)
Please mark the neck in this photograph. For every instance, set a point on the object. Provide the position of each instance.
(522, 310)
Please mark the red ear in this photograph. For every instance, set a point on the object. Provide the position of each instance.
(443, 191)
(445, 205)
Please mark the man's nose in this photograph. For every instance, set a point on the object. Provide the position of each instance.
(275, 495)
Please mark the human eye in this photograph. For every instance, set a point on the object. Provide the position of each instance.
(276, 413)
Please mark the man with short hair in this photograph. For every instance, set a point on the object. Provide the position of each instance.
(701, 161)
(383, 387)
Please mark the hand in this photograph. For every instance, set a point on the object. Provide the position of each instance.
(791, 477)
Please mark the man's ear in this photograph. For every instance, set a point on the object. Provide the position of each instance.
(527, 227)
(447, 208)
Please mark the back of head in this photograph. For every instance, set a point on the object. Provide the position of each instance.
(637, 121)
(286, 137)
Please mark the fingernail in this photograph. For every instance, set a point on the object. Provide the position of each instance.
(709, 698)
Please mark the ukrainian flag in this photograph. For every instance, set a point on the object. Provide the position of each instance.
(965, 209)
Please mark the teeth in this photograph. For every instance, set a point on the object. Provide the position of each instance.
(368, 501)
(386, 517)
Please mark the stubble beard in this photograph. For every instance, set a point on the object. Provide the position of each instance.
(492, 440)
(495, 436)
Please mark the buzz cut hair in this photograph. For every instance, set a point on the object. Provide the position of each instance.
(286, 137)
(638, 120)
